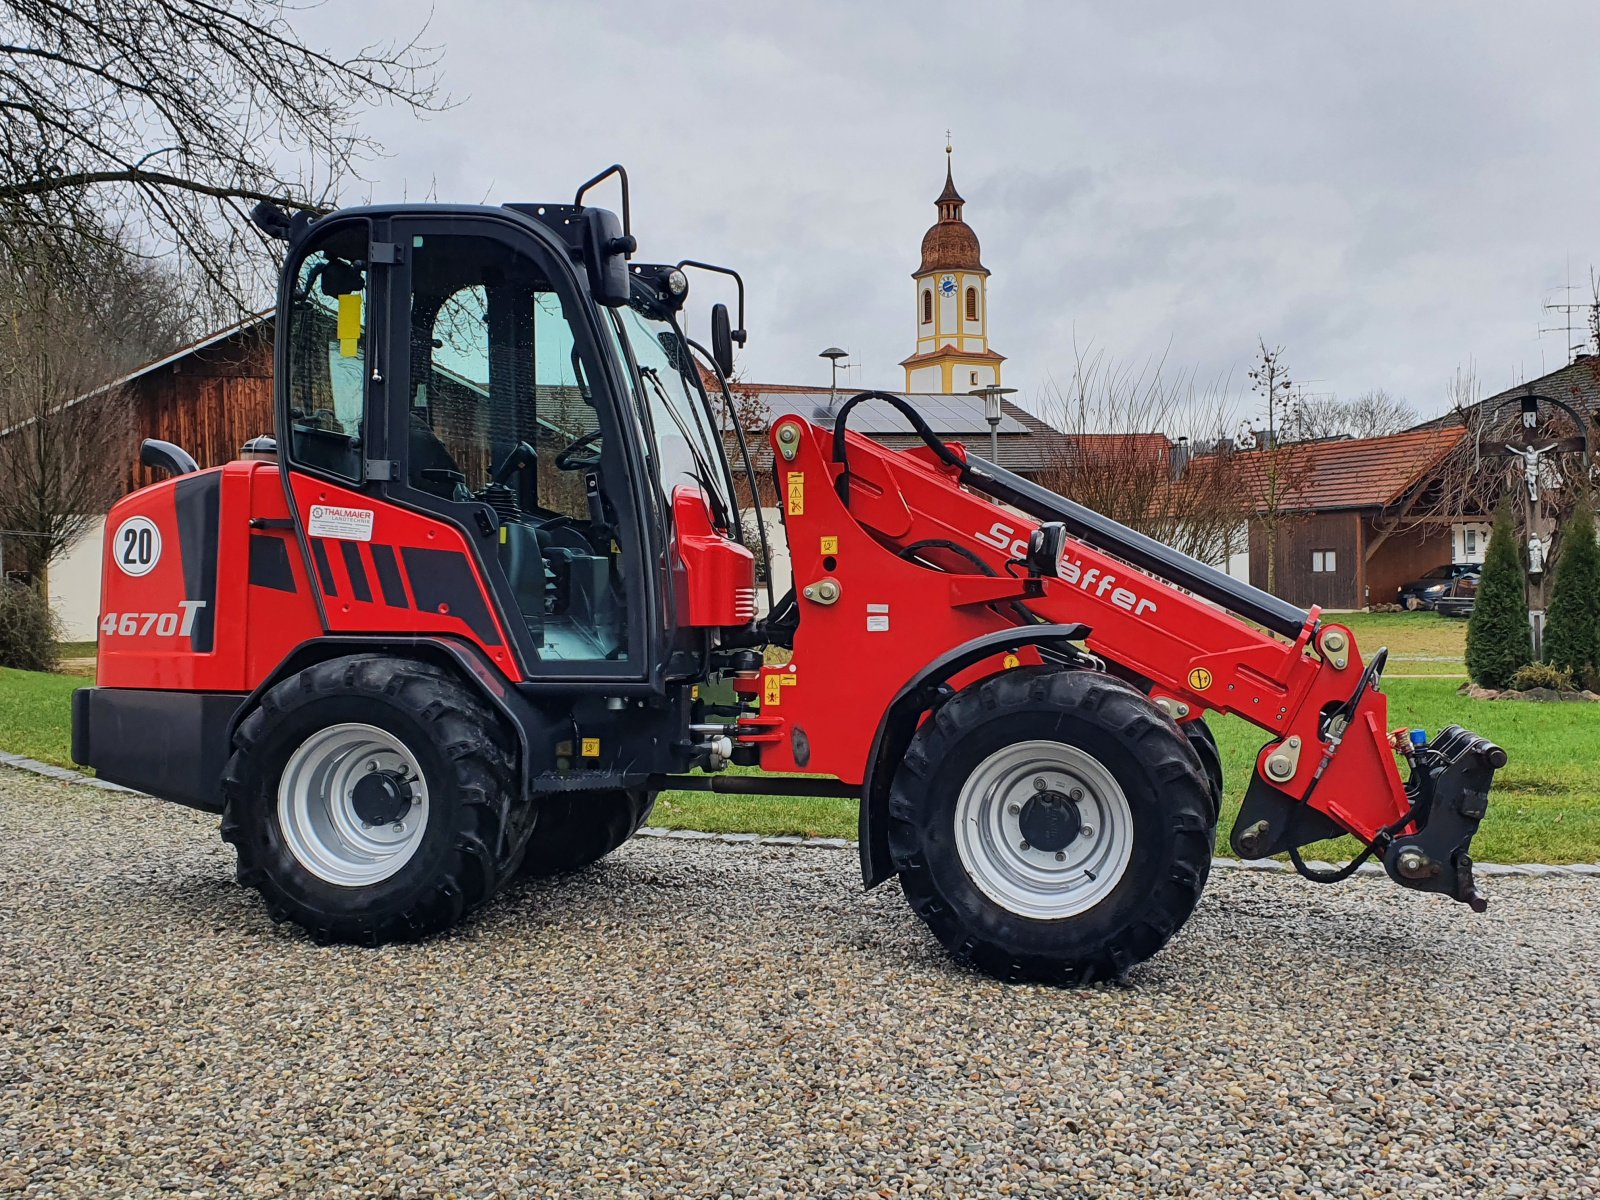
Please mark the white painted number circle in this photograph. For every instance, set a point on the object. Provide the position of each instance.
(136, 546)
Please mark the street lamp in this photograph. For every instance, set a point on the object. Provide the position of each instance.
(833, 354)
(992, 413)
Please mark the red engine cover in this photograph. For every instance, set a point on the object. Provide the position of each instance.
(720, 574)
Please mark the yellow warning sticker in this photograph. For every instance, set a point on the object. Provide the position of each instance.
(787, 679)
(1199, 679)
(830, 545)
(1011, 660)
(772, 691)
(591, 748)
(797, 493)
(349, 325)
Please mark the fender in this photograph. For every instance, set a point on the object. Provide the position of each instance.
(904, 714)
(463, 658)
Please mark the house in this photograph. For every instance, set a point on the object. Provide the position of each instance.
(1353, 518)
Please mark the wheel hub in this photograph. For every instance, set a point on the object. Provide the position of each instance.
(380, 797)
(353, 804)
(1050, 821)
(1043, 829)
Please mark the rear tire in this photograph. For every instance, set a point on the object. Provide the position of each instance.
(1121, 830)
(371, 799)
(580, 828)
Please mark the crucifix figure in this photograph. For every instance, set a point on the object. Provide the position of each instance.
(1530, 456)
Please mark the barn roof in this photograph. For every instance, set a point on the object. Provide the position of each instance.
(1347, 473)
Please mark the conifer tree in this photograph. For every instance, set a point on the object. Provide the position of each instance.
(1572, 629)
(1498, 639)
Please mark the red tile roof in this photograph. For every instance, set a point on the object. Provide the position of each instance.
(1349, 473)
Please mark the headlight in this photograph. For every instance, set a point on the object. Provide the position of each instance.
(677, 283)
(1434, 590)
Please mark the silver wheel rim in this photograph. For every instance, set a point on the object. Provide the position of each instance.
(1043, 883)
(317, 812)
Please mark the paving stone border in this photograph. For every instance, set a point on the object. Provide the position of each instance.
(1588, 870)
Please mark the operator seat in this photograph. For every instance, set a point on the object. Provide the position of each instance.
(433, 469)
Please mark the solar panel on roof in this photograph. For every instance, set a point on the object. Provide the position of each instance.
(944, 414)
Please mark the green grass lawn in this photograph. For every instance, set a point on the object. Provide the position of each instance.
(36, 715)
(1545, 807)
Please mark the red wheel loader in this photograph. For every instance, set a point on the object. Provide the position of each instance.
(494, 595)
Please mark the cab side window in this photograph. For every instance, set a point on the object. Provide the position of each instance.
(327, 355)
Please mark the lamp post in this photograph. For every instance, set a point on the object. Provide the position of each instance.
(992, 413)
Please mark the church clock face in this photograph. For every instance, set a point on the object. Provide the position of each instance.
(947, 285)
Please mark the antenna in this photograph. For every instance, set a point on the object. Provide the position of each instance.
(1567, 308)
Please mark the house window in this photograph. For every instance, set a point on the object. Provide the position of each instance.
(973, 376)
(1324, 561)
(1472, 542)
(927, 306)
(972, 304)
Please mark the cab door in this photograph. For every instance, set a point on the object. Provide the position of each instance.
(502, 421)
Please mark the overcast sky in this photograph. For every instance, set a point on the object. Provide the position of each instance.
(1389, 191)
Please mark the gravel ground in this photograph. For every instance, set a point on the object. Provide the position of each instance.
(705, 1019)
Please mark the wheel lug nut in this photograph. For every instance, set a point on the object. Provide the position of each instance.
(1025, 846)
(1014, 809)
(1061, 856)
(372, 766)
(1039, 784)
(1086, 831)
(1076, 793)
(398, 827)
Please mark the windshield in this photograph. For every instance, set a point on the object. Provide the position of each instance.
(1440, 573)
(688, 445)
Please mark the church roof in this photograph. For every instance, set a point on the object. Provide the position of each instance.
(950, 244)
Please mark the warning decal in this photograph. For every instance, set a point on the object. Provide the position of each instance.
(877, 618)
(797, 494)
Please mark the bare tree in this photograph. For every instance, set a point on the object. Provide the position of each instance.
(1279, 463)
(1371, 414)
(178, 114)
(1148, 449)
(64, 434)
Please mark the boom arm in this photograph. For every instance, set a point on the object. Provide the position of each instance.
(906, 543)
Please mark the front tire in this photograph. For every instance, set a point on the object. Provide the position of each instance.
(369, 799)
(1051, 825)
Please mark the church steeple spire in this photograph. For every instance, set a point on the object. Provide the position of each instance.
(953, 353)
(949, 202)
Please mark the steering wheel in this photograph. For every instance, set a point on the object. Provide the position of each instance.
(569, 458)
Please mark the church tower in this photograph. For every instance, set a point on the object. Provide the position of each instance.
(953, 354)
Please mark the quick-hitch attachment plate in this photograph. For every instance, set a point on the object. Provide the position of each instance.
(1450, 788)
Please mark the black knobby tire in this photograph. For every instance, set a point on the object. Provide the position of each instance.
(1167, 795)
(1204, 743)
(576, 829)
(475, 825)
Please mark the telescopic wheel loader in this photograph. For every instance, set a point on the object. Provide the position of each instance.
(494, 595)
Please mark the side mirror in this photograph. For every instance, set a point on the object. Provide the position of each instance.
(722, 339)
(605, 256)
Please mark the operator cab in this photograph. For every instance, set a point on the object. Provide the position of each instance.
(453, 361)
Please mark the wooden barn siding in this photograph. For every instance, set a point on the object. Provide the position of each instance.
(1297, 538)
(1403, 557)
(210, 402)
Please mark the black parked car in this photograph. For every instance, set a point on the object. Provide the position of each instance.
(1436, 584)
